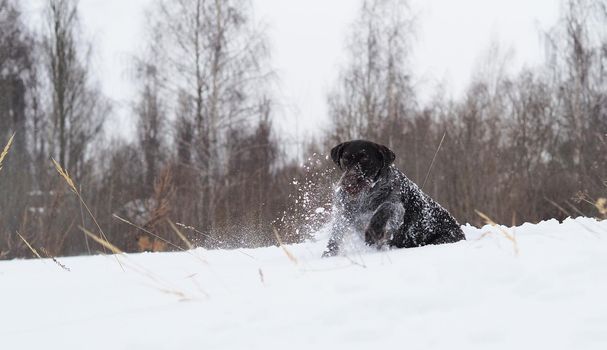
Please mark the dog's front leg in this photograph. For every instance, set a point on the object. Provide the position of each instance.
(332, 247)
(337, 236)
(377, 231)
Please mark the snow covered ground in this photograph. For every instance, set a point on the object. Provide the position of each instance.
(475, 294)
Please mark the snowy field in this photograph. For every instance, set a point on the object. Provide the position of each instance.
(547, 289)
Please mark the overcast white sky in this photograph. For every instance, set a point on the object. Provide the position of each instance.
(307, 40)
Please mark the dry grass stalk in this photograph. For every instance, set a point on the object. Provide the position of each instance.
(104, 242)
(178, 293)
(163, 285)
(180, 234)
(576, 221)
(354, 262)
(33, 250)
(284, 249)
(575, 209)
(582, 196)
(601, 206)
(6, 149)
(193, 229)
(157, 210)
(433, 159)
(55, 260)
(556, 205)
(72, 186)
(600, 203)
(195, 282)
(29, 246)
(597, 204)
(358, 254)
(160, 238)
(65, 176)
(508, 236)
(148, 232)
(163, 192)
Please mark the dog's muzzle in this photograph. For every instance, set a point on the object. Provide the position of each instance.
(354, 182)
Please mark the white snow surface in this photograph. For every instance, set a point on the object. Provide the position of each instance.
(475, 294)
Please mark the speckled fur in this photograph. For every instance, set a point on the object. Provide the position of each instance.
(404, 216)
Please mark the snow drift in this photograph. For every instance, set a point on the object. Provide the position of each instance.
(532, 286)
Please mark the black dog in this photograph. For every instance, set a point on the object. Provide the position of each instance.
(375, 197)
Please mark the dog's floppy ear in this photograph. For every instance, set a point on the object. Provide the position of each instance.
(387, 155)
(337, 151)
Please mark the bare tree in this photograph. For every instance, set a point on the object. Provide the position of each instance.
(375, 88)
(16, 77)
(578, 52)
(214, 62)
(151, 125)
(67, 114)
(77, 109)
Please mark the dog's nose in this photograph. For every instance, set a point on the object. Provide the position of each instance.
(352, 179)
(352, 176)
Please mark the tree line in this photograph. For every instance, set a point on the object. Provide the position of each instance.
(206, 163)
(519, 147)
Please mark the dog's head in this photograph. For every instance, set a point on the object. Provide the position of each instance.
(361, 161)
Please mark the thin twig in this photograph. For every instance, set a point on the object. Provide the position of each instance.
(433, 159)
(5, 150)
(575, 209)
(48, 255)
(149, 232)
(29, 245)
(211, 238)
(508, 236)
(569, 215)
(181, 235)
(166, 286)
(556, 205)
(354, 262)
(101, 241)
(158, 237)
(284, 249)
(86, 238)
(72, 185)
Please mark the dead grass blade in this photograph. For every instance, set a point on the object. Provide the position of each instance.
(72, 186)
(55, 260)
(508, 236)
(162, 285)
(568, 214)
(178, 293)
(193, 229)
(601, 206)
(101, 241)
(29, 245)
(6, 149)
(33, 250)
(354, 262)
(433, 159)
(180, 235)
(556, 205)
(65, 176)
(575, 209)
(284, 249)
(148, 232)
(160, 238)
(357, 255)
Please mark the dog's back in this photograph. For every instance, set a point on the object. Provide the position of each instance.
(425, 221)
